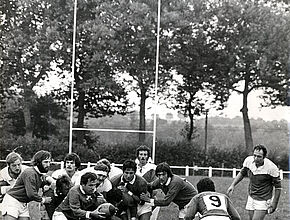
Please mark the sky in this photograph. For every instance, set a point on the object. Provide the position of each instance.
(233, 109)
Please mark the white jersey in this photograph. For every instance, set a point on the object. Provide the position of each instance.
(61, 172)
(4, 176)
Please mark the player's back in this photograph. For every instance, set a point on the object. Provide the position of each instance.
(212, 204)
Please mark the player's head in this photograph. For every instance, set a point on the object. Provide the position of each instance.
(260, 152)
(129, 170)
(72, 162)
(42, 160)
(205, 184)
(63, 184)
(262, 148)
(89, 182)
(143, 154)
(106, 162)
(164, 167)
(163, 172)
(14, 161)
(101, 170)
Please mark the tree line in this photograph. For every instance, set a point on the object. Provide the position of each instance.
(210, 47)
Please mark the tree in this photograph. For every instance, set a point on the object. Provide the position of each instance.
(193, 56)
(256, 35)
(97, 92)
(137, 51)
(231, 42)
(26, 53)
(45, 116)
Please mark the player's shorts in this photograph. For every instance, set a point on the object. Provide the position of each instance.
(58, 216)
(14, 208)
(142, 209)
(215, 218)
(253, 204)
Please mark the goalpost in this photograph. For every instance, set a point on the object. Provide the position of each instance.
(153, 132)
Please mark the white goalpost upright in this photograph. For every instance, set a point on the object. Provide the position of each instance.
(72, 76)
(155, 88)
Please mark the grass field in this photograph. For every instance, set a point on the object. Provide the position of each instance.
(222, 183)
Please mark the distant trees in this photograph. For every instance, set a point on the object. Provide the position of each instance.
(26, 52)
(97, 93)
(255, 35)
(231, 46)
(213, 46)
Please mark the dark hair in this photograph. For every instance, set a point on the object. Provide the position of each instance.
(164, 167)
(12, 157)
(64, 180)
(39, 157)
(106, 162)
(129, 164)
(143, 148)
(73, 157)
(88, 176)
(205, 184)
(261, 147)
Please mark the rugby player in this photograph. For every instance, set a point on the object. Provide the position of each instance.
(264, 177)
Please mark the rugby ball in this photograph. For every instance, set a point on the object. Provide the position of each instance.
(107, 208)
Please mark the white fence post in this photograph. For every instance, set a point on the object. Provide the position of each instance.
(62, 165)
(186, 170)
(234, 172)
(89, 164)
(210, 172)
(281, 174)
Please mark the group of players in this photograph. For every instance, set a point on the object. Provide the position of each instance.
(134, 192)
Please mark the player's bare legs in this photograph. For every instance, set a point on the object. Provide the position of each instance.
(257, 214)
(145, 216)
(9, 217)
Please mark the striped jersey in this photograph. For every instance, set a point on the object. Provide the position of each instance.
(262, 178)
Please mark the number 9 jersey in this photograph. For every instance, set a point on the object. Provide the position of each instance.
(211, 205)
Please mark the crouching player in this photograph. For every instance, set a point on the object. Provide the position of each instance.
(210, 205)
(81, 201)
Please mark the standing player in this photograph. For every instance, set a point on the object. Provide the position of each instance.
(176, 189)
(210, 205)
(264, 176)
(26, 188)
(146, 169)
(72, 164)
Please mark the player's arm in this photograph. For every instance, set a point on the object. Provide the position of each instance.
(191, 209)
(277, 192)
(233, 212)
(4, 187)
(30, 183)
(74, 202)
(238, 179)
(168, 198)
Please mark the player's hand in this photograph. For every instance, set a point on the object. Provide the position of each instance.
(97, 215)
(144, 197)
(46, 200)
(230, 190)
(122, 188)
(272, 208)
